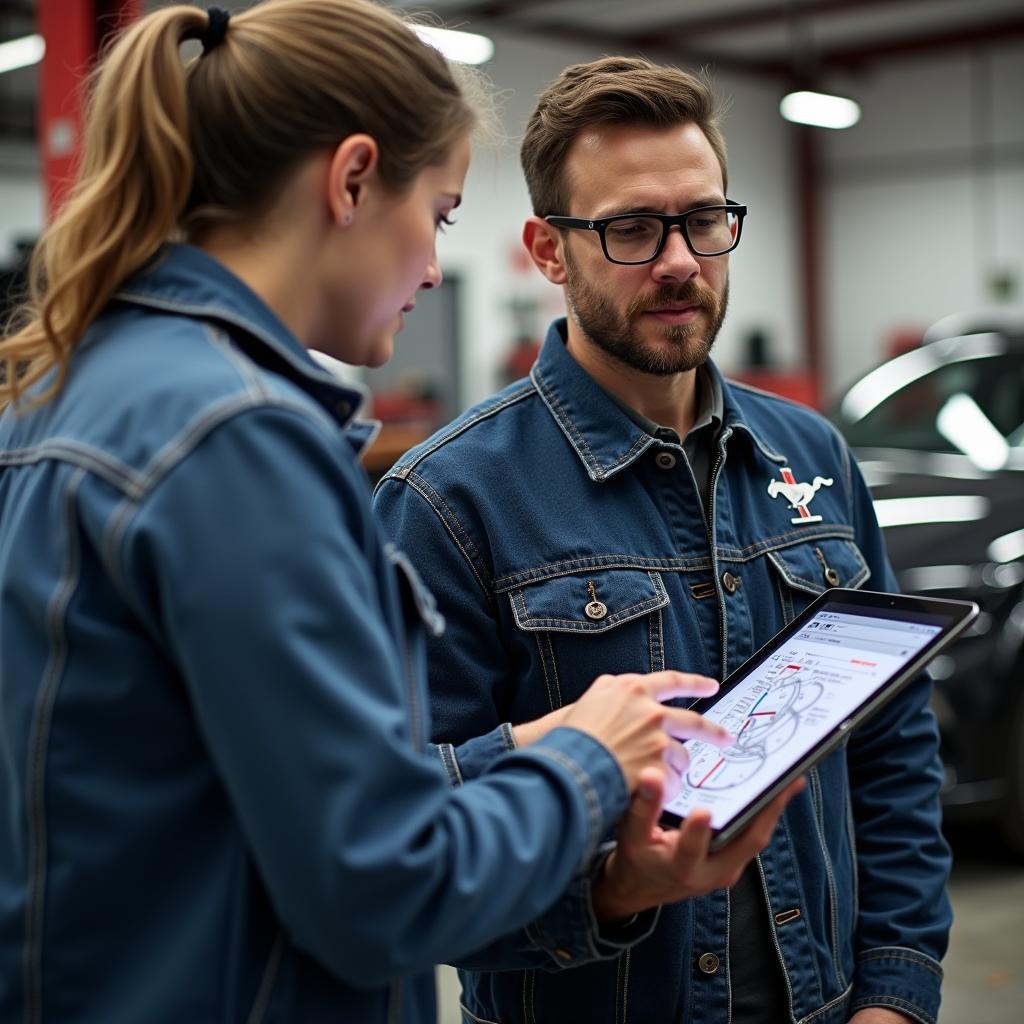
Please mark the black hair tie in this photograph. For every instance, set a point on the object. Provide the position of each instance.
(216, 30)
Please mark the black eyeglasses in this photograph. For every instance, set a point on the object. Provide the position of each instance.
(640, 237)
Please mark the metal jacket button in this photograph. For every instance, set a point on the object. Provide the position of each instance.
(708, 963)
(730, 582)
(665, 460)
(596, 610)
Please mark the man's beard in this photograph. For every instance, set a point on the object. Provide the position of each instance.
(616, 333)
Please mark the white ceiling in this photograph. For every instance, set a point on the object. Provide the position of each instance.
(776, 38)
(759, 36)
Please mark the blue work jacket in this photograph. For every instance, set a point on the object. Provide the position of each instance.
(549, 496)
(217, 802)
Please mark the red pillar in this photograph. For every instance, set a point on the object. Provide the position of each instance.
(809, 213)
(74, 31)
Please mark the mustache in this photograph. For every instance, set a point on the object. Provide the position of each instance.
(688, 292)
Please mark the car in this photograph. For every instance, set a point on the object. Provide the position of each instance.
(938, 432)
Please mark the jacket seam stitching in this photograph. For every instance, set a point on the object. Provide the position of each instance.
(441, 441)
(566, 425)
(551, 570)
(81, 456)
(902, 953)
(903, 1004)
(170, 456)
(422, 486)
(35, 782)
(842, 997)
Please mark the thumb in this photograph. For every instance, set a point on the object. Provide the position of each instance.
(644, 808)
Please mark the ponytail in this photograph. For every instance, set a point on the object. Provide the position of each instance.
(131, 191)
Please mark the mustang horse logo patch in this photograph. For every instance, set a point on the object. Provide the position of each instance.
(797, 494)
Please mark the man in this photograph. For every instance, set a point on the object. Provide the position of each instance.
(615, 512)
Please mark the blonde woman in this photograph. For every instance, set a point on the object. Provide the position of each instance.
(217, 801)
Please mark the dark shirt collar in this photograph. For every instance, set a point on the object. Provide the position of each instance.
(710, 409)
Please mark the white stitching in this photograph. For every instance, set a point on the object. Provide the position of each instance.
(35, 769)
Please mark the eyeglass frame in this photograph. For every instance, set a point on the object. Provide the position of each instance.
(668, 220)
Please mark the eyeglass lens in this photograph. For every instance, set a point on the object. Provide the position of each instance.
(636, 239)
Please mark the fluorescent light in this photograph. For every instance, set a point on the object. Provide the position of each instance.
(953, 508)
(820, 109)
(1008, 547)
(20, 53)
(938, 577)
(464, 47)
(962, 421)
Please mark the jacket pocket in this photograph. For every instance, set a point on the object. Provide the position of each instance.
(806, 570)
(585, 624)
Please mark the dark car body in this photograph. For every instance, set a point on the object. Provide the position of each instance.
(939, 435)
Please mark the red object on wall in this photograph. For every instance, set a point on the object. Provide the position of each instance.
(75, 31)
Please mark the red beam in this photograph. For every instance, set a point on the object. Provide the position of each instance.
(808, 183)
(74, 30)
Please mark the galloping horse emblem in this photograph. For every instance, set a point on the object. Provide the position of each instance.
(799, 495)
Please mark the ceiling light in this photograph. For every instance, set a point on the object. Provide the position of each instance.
(1008, 547)
(820, 109)
(464, 47)
(963, 422)
(20, 53)
(951, 508)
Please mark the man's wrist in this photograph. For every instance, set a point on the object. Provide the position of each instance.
(611, 906)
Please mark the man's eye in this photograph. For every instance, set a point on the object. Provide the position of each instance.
(632, 228)
(444, 221)
(705, 222)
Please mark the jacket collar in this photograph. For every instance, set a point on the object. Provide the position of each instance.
(185, 280)
(604, 437)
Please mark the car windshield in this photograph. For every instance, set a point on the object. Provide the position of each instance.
(955, 406)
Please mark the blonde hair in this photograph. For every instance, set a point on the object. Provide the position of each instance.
(611, 90)
(173, 147)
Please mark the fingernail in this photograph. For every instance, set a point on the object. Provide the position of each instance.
(647, 791)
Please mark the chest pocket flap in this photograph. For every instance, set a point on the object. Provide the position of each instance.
(819, 564)
(590, 602)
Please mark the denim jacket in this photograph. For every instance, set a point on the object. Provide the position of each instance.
(547, 497)
(217, 801)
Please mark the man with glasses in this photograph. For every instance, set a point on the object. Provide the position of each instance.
(625, 508)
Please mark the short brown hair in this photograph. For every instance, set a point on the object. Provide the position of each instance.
(612, 90)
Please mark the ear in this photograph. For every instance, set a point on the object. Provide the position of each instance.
(352, 165)
(546, 246)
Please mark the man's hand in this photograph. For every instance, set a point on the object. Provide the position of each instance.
(879, 1015)
(651, 865)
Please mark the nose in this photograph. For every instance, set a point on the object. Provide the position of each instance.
(432, 278)
(675, 262)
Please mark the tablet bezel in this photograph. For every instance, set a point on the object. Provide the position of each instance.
(958, 615)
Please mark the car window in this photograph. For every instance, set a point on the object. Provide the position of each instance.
(911, 417)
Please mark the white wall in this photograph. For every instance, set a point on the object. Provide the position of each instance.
(21, 198)
(924, 200)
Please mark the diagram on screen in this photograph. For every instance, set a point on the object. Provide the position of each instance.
(763, 722)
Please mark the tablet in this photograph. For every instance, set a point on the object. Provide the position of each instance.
(799, 697)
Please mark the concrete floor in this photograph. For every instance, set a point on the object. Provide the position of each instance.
(985, 964)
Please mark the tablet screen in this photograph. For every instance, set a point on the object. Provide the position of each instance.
(793, 696)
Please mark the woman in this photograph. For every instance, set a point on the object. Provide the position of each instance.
(212, 735)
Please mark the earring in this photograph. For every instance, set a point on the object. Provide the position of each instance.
(347, 219)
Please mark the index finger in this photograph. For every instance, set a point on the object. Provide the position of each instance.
(669, 683)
